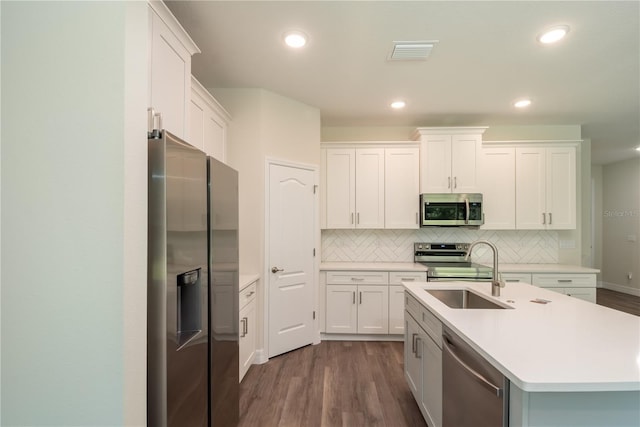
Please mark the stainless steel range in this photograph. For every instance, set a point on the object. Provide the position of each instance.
(445, 262)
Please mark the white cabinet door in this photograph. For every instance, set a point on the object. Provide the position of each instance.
(170, 70)
(209, 122)
(396, 309)
(412, 363)
(373, 309)
(370, 188)
(340, 187)
(435, 164)
(546, 188)
(402, 187)
(496, 182)
(431, 357)
(247, 344)
(530, 188)
(341, 309)
(561, 188)
(464, 158)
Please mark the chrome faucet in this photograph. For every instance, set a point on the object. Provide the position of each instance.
(496, 283)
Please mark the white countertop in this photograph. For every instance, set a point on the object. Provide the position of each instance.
(412, 266)
(372, 266)
(544, 268)
(565, 345)
(245, 280)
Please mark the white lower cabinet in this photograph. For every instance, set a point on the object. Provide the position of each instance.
(423, 360)
(367, 302)
(362, 309)
(247, 344)
(581, 286)
(516, 277)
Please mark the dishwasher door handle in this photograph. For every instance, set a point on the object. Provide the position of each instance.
(482, 380)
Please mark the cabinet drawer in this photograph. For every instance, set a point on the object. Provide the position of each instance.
(431, 325)
(248, 294)
(357, 278)
(516, 277)
(564, 280)
(397, 277)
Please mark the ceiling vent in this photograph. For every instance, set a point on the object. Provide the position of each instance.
(411, 51)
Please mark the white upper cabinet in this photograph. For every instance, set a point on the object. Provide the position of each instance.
(209, 122)
(402, 187)
(170, 51)
(354, 187)
(496, 182)
(448, 159)
(375, 185)
(545, 188)
(369, 188)
(340, 189)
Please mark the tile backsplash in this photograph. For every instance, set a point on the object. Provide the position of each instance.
(514, 247)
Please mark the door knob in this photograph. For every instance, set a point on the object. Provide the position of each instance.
(276, 269)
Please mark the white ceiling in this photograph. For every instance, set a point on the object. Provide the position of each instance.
(487, 57)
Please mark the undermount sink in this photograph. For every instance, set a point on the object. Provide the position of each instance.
(463, 298)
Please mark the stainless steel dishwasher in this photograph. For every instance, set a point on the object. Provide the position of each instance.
(474, 393)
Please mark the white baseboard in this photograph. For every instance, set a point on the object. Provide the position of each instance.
(620, 288)
(261, 357)
(361, 337)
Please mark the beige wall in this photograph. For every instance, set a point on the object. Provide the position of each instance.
(264, 125)
(621, 225)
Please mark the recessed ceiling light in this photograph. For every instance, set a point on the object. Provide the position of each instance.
(553, 34)
(295, 39)
(398, 104)
(522, 103)
(637, 148)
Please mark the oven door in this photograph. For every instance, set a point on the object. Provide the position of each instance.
(450, 210)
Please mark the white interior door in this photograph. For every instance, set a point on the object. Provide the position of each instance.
(291, 257)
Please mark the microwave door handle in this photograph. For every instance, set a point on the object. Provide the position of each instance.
(466, 210)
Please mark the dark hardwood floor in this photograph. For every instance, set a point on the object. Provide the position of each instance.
(618, 300)
(334, 383)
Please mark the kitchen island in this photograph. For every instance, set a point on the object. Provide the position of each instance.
(568, 362)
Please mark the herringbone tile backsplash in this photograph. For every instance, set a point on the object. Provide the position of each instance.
(514, 247)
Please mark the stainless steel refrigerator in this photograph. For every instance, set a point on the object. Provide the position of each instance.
(185, 375)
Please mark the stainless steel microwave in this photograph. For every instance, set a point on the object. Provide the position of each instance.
(451, 210)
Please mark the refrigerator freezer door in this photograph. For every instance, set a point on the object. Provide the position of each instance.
(177, 330)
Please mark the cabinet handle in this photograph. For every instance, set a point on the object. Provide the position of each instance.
(448, 182)
(357, 279)
(550, 219)
(244, 327)
(417, 221)
(544, 218)
(354, 297)
(419, 356)
(413, 343)
(565, 280)
(351, 217)
(512, 280)
(250, 293)
(407, 279)
(455, 182)
(360, 297)
(358, 218)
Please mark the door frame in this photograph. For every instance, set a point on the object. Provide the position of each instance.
(315, 275)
